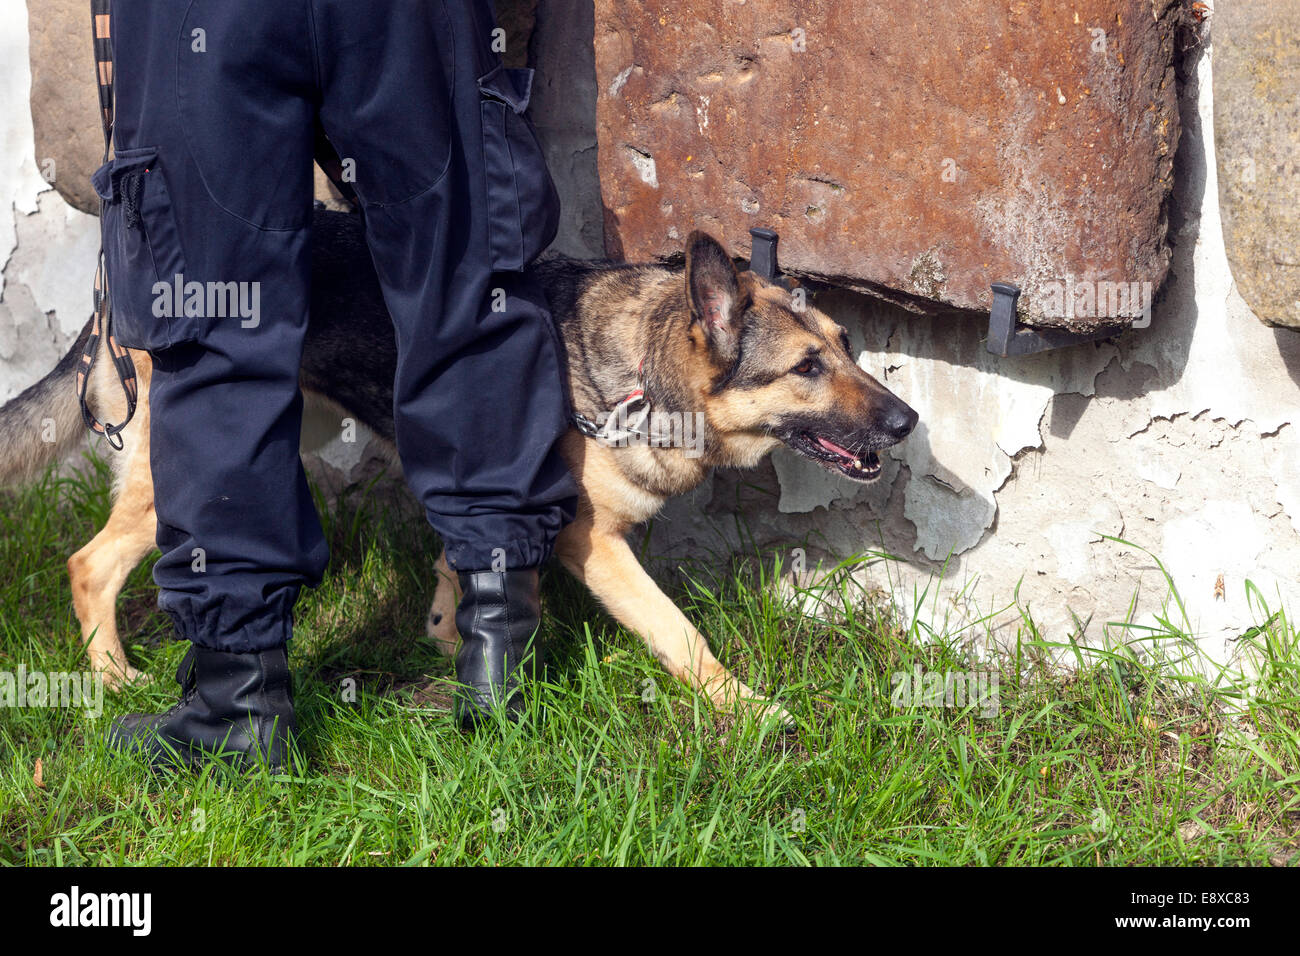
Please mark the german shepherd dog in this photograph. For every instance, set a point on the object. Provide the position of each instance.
(708, 343)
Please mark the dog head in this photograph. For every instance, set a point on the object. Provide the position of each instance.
(776, 370)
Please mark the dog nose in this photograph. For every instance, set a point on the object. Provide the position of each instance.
(898, 420)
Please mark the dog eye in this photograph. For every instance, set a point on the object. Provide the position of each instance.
(809, 367)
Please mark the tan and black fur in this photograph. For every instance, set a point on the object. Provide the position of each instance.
(704, 339)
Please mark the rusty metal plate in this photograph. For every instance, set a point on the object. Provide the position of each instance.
(912, 149)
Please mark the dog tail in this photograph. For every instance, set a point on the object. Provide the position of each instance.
(43, 423)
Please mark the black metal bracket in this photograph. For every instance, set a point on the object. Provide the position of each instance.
(762, 256)
(1006, 339)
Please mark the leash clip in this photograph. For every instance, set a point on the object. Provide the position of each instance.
(622, 422)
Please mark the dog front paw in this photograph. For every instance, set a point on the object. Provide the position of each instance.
(763, 709)
(766, 711)
(119, 675)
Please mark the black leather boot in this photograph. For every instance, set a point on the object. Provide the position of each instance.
(235, 706)
(497, 618)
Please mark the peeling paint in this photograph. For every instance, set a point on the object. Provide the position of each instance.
(616, 86)
(47, 248)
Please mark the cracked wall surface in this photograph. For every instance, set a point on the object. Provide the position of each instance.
(1183, 438)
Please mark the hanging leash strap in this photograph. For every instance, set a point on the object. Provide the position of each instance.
(102, 323)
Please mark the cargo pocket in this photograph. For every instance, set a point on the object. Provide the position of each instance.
(142, 250)
(523, 206)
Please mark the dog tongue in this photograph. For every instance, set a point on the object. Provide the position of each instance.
(836, 449)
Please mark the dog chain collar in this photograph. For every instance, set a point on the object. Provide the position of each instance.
(624, 420)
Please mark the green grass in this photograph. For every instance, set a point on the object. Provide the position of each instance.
(1130, 759)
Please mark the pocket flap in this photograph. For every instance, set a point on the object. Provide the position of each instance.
(107, 178)
(102, 180)
(511, 86)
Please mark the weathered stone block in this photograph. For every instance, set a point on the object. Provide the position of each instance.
(911, 149)
(1257, 142)
(65, 98)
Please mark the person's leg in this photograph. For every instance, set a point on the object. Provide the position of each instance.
(457, 202)
(208, 219)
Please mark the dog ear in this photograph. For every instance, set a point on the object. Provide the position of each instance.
(713, 291)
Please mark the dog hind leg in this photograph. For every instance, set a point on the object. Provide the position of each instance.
(99, 570)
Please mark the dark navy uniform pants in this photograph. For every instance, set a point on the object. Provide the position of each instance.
(207, 245)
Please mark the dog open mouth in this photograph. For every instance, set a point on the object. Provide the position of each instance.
(859, 466)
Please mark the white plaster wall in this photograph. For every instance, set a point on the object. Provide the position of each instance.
(1183, 439)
